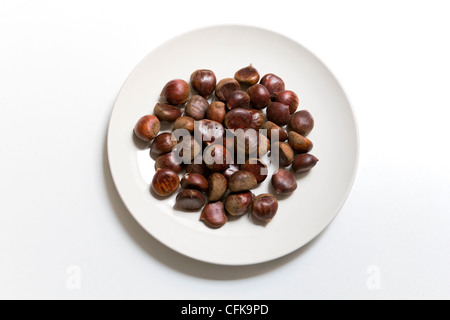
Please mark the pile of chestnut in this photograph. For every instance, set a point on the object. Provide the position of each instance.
(214, 170)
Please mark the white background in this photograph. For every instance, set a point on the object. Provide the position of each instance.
(62, 64)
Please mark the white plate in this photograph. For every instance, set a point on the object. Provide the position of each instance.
(302, 216)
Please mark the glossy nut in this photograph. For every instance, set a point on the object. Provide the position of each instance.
(165, 182)
(208, 131)
(169, 161)
(272, 128)
(217, 158)
(265, 207)
(232, 169)
(242, 181)
(176, 92)
(278, 113)
(190, 200)
(217, 186)
(257, 119)
(198, 166)
(299, 143)
(288, 98)
(257, 167)
(194, 181)
(259, 96)
(286, 154)
(147, 128)
(284, 182)
(204, 82)
(238, 204)
(166, 112)
(238, 119)
(247, 76)
(273, 83)
(304, 162)
(251, 142)
(238, 99)
(163, 143)
(225, 87)
(213, 215)
(302, 122)
(216, 111)
(186, 123)
(196, 107)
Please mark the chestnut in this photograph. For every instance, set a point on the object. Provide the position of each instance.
(204, 82)
(238, 99)
(304, 162)
(286, 154)
(238, 118)
(284, 182)
(225, 87)
(272, 127)
(163, 143)
(165, 182)
(257, 167)
(242, 181)
(278, 113)
(259, 96)
(299, 143)
(247, 76)
(217, 157)
(208, 131)
(265, 207)
(257, 119)
(251, 142)
(194, 181)
(237, 204)
(232, 169)
(302, 122)
(166, 112)
(169, 161)
(191, 146)
(198, 166)
(190, 200)
(213, 215)
(273, 83)
(217, 186)
(176, 92)
(216, 111)
(186, 123)
(288, 98)
(147, 128)
(196, 107)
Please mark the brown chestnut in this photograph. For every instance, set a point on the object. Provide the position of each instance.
(238, 119)
(302, 122)
(163, 143)
(196, 107)
(165, 182)
(232, 169)
(251, 142)
(257, 167)
(194, 181)
(265, 207)
(147, 128)
(204, 82)
(286, 154)
(217, 157)
(238, 204)
(176, 92)
(186, 123)
(242, 181)
(198, 166)
(216, 111)
(288, 98)
(304, 162)
(191, 146)
(213, 215)
(257, 119)
(284, 182)
(217, 186)
(278, 113)
(247, 76)
(208, 131)
(166, 112)
(225, 87)
(238, 99)
(299, 143)
(273, 83)
(190, 200)
(272, 127)
(169, 161)
(259, 96)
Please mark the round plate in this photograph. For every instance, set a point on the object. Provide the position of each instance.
(301, 216)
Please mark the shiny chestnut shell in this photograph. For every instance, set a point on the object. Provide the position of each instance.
(147, 128)
(273, 83)
(284, 182)
(176, 92)
(288, 98)
(237, 204)
(265, 207)
(304, 162)
(278, 113)
(194, 181)
(204, 82)
(259, 96)
(166, 112)
(257, 167)
(213, 215)
(302, 122)
(225, 87)
(247, 76)
(165, 182)
(190, 200)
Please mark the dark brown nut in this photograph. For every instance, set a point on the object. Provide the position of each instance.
(217, 158)
(169, 161)
(251, 142)
(257, 167)
(265, 207)
(176, 92)
(259, 96)
(208, 131)
(304, 162)
(213, 215)
(217, 186)
(257, 119)
(225, 87)
(198, 166)
(186, 123)
(147, 128)
(229, 142)
(278, 113)
(273, 83)
(190, 200)
(238, 119)
(196, 107)
(299, 143)
(163, 143)
(238, 99)
(230, 171)
(216, 111)
(272, 127)
(242, 181)
(286, 154)
(165, 182)
(204, 82)
(247, 76)
(166, 112)
(284, 182)
(191, 146)
(237, 204)
(302, 122)
(194, 181)
(288, 98)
